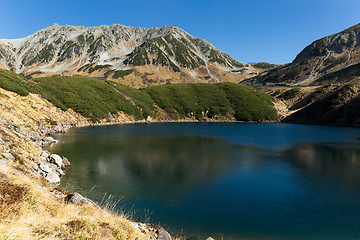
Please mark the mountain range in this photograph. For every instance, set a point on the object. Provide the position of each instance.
(322, 62)
(137, 57)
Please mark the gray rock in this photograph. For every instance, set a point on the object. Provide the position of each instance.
(58, 129)
(46, 141)
(77, 199)
(210, 238)
(163, 235)
(59, 172)
(66, 162)
(35, 167)
(4, 163)
(4, 176)
(8, 156)
(16, 172)
(44, 167)
(52, 177)
(28, 166)
(54, 158)
(45, 154)
(34, 136)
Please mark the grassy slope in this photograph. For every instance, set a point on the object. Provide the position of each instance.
(207, 100)
(28, 209)
(96, 99)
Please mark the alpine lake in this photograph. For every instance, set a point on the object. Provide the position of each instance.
(224, 180)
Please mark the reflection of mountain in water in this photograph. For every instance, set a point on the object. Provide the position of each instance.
(340, 162)
(156, 162)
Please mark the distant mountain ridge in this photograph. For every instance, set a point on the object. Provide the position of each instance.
(322, 57)
(136, 56)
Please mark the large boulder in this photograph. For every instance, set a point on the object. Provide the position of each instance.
(52, 177)
(8, 156)
(77, 199)
(45, 154)
(46, 141)
(66, 162)
(4, 163)
(44, 167)
(163, 234)
(54, 158)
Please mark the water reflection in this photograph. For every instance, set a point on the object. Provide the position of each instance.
(207, 179)
(338, 162)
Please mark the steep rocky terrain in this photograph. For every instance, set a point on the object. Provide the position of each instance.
(137, 57)
(321, 58)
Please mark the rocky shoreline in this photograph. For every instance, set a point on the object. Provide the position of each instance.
(51, 167)
(26, 126)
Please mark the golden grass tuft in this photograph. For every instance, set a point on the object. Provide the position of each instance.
(30, 211)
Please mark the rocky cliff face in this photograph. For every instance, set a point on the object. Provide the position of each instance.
(136, 56)
(327, 55)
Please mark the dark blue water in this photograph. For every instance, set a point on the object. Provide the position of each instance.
(225, 180)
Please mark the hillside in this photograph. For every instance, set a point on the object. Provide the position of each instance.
(31, 207)
(321, 85)
(321, 58)
(136, 57)
(109, 101)
(333, 105)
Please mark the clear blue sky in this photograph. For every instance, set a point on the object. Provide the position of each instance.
(250, 31)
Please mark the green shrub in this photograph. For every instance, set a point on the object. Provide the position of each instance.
(13, 82)
(263, 65)
(87, 96)
(96, 99)
(289, 94)
(122, 73)
(181, 100)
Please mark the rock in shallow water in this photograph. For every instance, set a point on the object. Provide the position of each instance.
(163, 235)
(44, 167)
(54, 158)
(52, 177)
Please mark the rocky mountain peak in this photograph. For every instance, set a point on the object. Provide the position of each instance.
(168, 53)
(325, 56)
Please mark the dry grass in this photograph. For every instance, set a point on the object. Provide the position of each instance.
(30, 211)
(28, 206)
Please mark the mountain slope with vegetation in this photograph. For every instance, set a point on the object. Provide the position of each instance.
(137, 57)
(321, 85)
(321, 58)
(106, 100)
(31, 207)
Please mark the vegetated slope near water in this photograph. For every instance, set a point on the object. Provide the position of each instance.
(137, 57)
(98, 99)
(333, 105)
(30, 208)
(328, 73)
